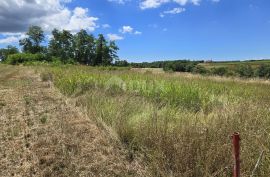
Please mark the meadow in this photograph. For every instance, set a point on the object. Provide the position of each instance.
(179, 124)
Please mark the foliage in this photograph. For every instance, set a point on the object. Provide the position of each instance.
(200, 70)
(24, 57)
(176, 65)
(121, 63)
(245, 71)
(221, 71)
(263, 71)
(84, 45)
(31, 44)
(61, 45)
(4, 53)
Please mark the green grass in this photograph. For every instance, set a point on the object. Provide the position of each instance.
(180, 124)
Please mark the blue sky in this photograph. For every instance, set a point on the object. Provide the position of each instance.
(148, 30)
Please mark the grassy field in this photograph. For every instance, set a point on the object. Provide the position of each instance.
(42, 133)
(234, 64)
(179, 123)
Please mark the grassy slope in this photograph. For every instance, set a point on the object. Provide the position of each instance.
(182, 123)
(233, 65)
(43, 134)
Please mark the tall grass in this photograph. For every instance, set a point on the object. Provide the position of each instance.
(181, 125)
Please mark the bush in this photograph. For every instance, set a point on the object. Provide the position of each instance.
(221, 71)
(245, 71)
(200, 70)
(263, 71)
(24, 57)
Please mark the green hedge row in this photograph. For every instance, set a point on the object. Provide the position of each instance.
(19, 58)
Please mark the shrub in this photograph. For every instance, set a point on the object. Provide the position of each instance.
(263, 71)
(245, 71)
(200, 70)
(221, 71)
(24, 57)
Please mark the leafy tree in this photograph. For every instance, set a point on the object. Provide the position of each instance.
(101, 45)
(31, 44)
(61, 45)
(84, 47)
(4, 53)
(109, 53)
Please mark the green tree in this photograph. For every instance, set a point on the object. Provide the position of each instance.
(84, 48)
(61, 45)
(105, 53)
(32, 43)
(101, 44)
(113, 48)
(4, 53)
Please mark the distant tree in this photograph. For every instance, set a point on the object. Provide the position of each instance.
(31, 44)
(84, 47)
(4, 53)
(121, 63)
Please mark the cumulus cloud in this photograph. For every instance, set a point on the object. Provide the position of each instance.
(114, 37)
(17, 15)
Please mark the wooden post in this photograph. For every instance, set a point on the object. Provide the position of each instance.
(236, 154)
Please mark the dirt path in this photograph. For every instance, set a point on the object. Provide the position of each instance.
(43, 135)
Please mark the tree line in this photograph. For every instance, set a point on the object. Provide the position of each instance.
(64, 47)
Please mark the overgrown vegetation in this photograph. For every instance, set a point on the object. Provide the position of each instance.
(181, 124)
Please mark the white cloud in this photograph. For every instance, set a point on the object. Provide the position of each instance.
(126, 29)
(10, 38)
(119, 1)
(147, 4)
(70, 20)
(138, 33)
(106, 26)
(18, 15)
(176, 10)
(114, 37)
(129, 30)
